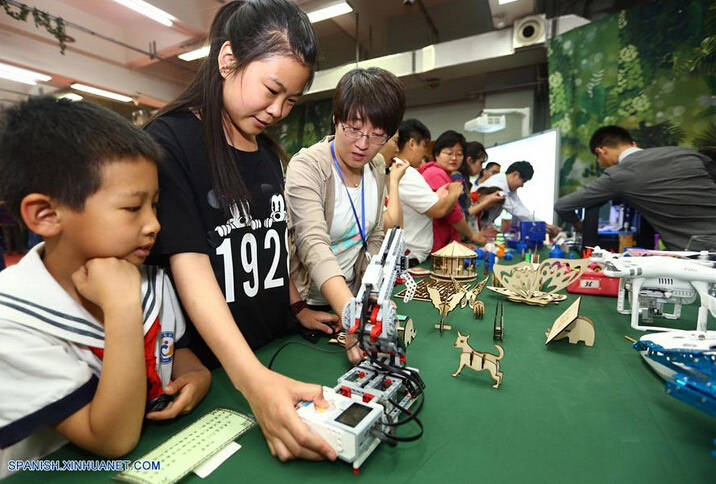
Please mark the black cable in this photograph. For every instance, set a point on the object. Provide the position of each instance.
(409, 438)
(383, 437)
(402, 373)
(411, 415)
(364, 316)
(342, 350)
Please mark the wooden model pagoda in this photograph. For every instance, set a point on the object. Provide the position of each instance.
(454, 261)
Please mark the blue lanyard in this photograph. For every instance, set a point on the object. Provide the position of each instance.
(362, 198)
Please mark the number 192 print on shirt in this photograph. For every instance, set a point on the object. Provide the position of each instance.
(248, 247)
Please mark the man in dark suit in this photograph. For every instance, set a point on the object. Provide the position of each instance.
(670, 186)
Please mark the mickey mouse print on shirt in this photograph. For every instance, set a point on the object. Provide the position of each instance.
(257, 243)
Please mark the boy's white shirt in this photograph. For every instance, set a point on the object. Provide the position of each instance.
(417, 197)
(45, 337)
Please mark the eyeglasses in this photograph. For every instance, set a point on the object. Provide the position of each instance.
(450, 154)
(354, 133)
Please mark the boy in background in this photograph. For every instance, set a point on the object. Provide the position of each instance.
(420, 203)
(87, 334)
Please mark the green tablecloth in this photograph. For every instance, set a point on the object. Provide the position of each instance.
(563, 413)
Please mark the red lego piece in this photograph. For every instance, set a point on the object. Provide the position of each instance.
(377, 325)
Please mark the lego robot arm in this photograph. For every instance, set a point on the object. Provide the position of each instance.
(370, 315)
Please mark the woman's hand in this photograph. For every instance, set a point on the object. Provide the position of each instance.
(353, 351)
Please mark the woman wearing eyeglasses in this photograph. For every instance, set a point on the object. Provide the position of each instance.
(448, 151)
(335, 188)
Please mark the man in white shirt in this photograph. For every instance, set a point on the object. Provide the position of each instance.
(420, 203)
(519, 173)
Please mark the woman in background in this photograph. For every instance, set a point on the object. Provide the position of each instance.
(448, 152)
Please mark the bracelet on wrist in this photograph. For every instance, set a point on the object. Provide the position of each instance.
(297, 307)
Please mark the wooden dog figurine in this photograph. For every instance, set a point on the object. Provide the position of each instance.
(477, 360)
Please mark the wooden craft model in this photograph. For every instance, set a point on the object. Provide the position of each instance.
(446, 288)
(573, 326)
(478, 360)
(444, 307)
(470, 297)
(537, 284)
(498, 326)
(406, 330)
(449, 262)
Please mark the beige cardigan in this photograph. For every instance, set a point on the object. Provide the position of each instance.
(310, 198)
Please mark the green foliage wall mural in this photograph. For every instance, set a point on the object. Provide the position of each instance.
(650, 69)
(307, 124)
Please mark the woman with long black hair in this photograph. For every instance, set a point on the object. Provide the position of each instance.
(222, 211)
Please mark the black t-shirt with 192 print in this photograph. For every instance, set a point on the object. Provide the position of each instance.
(248, 248)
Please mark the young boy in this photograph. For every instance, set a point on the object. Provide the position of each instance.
(87, 334)
(420, 203)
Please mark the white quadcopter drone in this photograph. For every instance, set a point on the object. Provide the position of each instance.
(663, 278)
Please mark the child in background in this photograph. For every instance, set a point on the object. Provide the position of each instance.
(88, 336)
(490, 169)
(394, 171)
(474, 156)
(419, 202)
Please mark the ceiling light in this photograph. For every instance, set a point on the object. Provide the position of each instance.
(11, 77)
(195, 54)
(25, 76)
(334, 10)
(102, 92)
(71, 96)
(505, 2)
(148, 10)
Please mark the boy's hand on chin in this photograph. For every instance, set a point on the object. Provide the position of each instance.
(109, 282)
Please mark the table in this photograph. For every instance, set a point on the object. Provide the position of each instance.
(564, 413)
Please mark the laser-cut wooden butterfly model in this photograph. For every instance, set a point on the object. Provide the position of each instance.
(537, 284)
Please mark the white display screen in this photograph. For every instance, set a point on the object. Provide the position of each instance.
(541, 150)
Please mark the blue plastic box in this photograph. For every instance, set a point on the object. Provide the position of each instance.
(532, 233)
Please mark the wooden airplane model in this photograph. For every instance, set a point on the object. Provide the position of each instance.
(445, 307)
(470, 297)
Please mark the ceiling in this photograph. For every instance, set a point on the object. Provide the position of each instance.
(117, 49)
